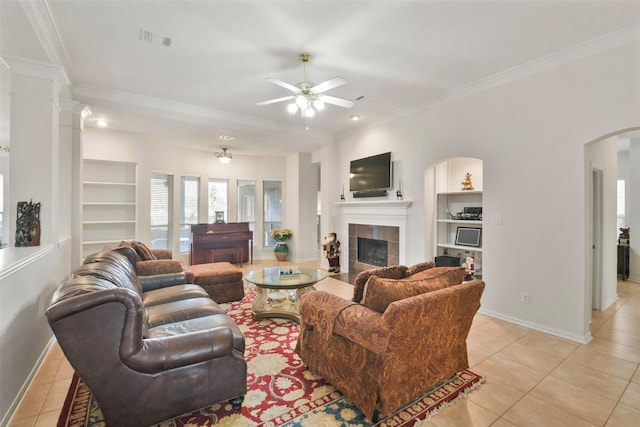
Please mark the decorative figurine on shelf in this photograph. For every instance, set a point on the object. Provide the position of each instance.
(466, 184)
(623, 238)
(399, 192)
(28, 224)
(331, 246)
(469, 267)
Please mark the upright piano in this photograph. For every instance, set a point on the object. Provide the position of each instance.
(221, 235)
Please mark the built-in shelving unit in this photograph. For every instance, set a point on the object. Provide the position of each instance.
(108, 204)
(450, 199)
(454, 202)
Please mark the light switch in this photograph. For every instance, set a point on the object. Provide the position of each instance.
(496, 219)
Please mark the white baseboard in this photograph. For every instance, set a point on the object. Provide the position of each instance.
(540, 328)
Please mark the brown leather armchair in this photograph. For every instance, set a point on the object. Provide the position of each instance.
(395, 345)
(146, 363)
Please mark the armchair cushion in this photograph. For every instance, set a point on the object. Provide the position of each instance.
(144, 251)
(391, 272)
(379, 292)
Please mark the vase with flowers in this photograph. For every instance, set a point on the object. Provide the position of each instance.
(281, 250)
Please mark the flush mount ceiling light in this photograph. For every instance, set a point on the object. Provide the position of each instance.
(223, 156)
(308, 98)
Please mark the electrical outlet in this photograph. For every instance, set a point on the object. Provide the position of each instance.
(524, 298)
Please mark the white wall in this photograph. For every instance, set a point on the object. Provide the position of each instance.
(104, 144)
(30, 275)
(633, 221)
(530, 135)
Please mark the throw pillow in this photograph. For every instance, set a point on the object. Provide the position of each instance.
(144, 251)
(390, 272)
(454, 275)
(419, 267)
(379, 293)
(125, 244)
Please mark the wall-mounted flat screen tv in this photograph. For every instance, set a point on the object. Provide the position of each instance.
(371, 173)
(469, 236)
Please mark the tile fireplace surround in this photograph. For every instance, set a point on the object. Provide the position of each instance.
(382, 220)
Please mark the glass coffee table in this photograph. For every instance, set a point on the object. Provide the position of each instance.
(279, 289)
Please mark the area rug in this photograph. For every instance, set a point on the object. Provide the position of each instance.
(281, 391)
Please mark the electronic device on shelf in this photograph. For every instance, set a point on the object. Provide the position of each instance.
(469, 236)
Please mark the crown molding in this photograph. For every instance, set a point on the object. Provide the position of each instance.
(37, 69)
(185, 112)
(545, 63)
(44, 26)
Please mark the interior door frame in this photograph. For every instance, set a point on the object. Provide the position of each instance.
(597, 212)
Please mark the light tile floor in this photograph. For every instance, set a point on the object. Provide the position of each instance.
(533, 379)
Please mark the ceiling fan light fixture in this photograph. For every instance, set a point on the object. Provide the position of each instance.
(301, 101)
(224, 157)
(292, 108)
(318, 104)
(309, 112)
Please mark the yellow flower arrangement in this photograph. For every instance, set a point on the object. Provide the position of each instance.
(282, 234)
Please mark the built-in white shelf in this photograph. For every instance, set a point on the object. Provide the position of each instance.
(459, 248)
(461, 221)
(108, 203)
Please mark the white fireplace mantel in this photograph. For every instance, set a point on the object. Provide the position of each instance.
(391, 213)
(376, 203)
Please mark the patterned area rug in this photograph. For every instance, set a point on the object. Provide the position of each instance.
(281, 392)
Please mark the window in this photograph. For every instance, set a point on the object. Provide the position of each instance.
(218, 202)
(272, 196)
(247, 202)
(621, 204)
(189, 201)
(161, 201)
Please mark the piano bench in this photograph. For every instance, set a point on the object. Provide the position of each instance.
(236, 252)
(222, 280)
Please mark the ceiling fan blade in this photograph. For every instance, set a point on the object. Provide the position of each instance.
(285, 85)
(273, 101)
(329, 84)
(337, 101)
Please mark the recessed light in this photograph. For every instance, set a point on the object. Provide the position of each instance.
(102, 123)
(226, 138)
(355, 117)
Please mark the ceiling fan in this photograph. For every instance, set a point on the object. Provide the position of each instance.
(308, 97)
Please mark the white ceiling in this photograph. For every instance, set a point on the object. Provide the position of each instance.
(400, 56)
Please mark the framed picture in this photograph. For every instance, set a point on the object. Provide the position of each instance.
(469, 236)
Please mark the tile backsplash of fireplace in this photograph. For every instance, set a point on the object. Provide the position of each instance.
(378, 232)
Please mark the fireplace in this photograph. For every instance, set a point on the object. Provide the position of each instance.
(384, 220)
(372, 251)
(372, 246)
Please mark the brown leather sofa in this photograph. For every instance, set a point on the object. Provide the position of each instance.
(148, 349)
(404, 335)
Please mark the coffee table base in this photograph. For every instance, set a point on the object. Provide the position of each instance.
(281, 303)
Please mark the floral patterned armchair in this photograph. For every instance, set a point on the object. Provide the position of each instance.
(406, 336)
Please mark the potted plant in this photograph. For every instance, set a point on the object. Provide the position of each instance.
(281, 250)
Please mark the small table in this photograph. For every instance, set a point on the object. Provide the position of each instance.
(279, 289)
